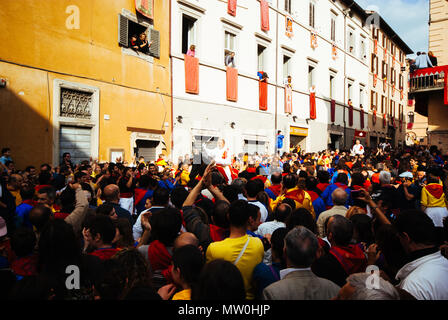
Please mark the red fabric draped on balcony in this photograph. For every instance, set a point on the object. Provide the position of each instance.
(362, 118)
(434, 70)
(313, 114)
(288, 99)
(231, 7)
(191, 74)
(350, 114)
(333, 110)
(264, 7)
(374, 117)
(410, 125)
(232, 84)
(263, 93)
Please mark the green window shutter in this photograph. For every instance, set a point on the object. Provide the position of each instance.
(154, 49)
(123, 31)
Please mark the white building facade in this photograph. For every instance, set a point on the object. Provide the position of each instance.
(338, 67)
(388, 85)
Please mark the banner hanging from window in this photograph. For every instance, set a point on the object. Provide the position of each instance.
(288, 99)
(145, 7)
(231, 7)
(289, 27)
(264, 7)
(313, 114)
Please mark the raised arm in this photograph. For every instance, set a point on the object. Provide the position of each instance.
(198, 188)
(365, 196)
(77, 216)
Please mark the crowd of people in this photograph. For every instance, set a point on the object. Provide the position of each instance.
(368, 225)
(423, 61)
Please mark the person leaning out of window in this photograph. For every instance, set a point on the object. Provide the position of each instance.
(143, 45)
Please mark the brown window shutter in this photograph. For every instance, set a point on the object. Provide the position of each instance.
(123, 31)
(154, 49)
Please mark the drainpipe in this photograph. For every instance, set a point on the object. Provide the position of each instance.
(345, 76)
(276, 79)
(171, 80)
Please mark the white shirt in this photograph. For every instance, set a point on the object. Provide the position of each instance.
(426, 278)
(269, 227)
(263, 210)
(221, 156)
(358, 149)
(137, 229)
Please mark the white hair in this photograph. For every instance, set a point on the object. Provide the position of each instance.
(385, 177)
(386, 290)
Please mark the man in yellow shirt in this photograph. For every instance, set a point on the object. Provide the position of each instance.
(14, 184)
(290, 190)
(242, 250)
(187, 265)
(433, 200)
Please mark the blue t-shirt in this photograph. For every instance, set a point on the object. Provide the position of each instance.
(3, 159)
(280, 141)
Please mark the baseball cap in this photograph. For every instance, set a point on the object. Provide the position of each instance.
(406, 174)
(3, 229)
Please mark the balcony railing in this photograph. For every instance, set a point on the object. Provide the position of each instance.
(430, 79)
(427, 83)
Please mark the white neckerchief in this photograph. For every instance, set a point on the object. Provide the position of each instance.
(285, 272)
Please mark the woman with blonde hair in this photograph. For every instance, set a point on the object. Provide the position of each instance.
(433, 58)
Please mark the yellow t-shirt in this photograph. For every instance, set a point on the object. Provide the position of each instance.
(17, 196)
(230, 248)
(307, 202)
(429, 200)
(185, 177)
(183, 295)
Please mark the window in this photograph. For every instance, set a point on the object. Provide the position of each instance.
(333, 27)
(374, 63)
(332, 83)
(350, 91)
(312, 15)
(376, 33)
(373, 100)
(393, 76)
(361, 96)
(286, 66)
(411, 117)
(383, 104)
(384, 40)
(129, 34)
(363, 53)
(288, 6)
(392, 108)
(229, 43)
(311, 80)
(261, 53)
(400, 81)
(351, 40)
(384, 69)
(188, 32)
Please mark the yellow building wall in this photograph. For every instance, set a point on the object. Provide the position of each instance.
(38, 48)
(438, 30)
